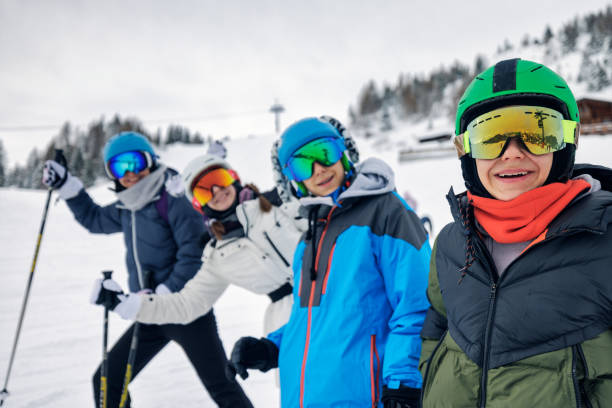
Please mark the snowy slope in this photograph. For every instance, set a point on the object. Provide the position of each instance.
(61, 339)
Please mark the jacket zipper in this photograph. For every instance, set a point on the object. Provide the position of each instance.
(374, 385)
(135, 251)
(329, 262)
(310, 303)
(581, 397)
(306, 345)
(486, 354)
(320, 244)
(276, 250)
(429, 364)
(575, 378)
(487, 351)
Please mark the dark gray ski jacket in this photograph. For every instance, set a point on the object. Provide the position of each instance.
(171, 250)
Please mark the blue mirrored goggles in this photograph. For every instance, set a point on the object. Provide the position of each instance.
(134, 161)
(326, 151)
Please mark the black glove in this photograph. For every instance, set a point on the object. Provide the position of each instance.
(106, 293)
(250, 352)
(403, 397)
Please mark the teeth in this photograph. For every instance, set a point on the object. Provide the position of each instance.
(519, 174)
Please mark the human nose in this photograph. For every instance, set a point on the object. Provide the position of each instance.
(215, 189)
(317, 168)
(514, 150)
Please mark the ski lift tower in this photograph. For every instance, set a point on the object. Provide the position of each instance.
(277, 109)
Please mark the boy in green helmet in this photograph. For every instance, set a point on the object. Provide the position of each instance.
(520, 284)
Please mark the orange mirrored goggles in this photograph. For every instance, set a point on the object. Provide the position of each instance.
(202, 188)
(541, 130)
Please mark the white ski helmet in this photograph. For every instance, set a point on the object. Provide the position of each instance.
(199, 165)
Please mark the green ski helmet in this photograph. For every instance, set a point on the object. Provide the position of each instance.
(517, 82)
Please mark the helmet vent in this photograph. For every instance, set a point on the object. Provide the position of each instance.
(560, 87)
(479, 78)
(536, 68)
(463, 101)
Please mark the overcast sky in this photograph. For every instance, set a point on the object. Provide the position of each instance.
(217, 66)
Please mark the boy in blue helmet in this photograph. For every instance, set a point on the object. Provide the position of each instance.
(164, 240)
(360, 276)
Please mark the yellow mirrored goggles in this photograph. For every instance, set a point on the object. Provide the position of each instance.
(541, 130)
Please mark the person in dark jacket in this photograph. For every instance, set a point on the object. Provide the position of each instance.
(360, 275)
(164, 239)
(520, 284)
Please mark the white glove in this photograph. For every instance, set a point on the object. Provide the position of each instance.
(218, 149)
(162, 289)
(108, 293)
(129, 306)
(56, 176)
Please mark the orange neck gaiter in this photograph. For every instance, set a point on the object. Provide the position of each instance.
(528, 215)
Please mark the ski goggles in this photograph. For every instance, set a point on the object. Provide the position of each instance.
(326, 151)
(541, 130)
(202, 188)
(134, 161)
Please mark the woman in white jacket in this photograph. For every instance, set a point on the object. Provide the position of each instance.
(252, 247)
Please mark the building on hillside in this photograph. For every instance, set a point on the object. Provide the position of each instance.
(595, 116)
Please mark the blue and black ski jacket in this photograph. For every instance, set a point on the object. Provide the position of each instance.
(169, 246)
(360, 278)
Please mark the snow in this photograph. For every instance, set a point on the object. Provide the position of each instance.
(60, 344)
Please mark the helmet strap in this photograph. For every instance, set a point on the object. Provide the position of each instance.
(470, 176)
(562, 165)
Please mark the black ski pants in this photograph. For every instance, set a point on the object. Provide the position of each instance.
(201, 343)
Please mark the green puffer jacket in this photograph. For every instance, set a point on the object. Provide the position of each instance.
(538, 336)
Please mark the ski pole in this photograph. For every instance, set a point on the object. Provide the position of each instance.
(104, 368)
(132, 355)
(59, 157)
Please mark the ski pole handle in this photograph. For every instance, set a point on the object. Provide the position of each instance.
(107, 274)
(60, 158)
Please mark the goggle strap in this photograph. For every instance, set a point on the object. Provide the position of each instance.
(569, 131)
(196, 205)
(466, 142)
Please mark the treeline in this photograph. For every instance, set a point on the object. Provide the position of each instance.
(421, 96)
(83, 150)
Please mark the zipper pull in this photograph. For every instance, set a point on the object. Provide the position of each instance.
(493, 290)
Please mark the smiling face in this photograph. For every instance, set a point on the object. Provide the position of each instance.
(129, 178)
(223, 198)
(515, 172)
(325, 180)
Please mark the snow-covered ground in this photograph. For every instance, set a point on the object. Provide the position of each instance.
(61, 339)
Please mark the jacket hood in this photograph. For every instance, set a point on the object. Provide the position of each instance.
(373, 177)
(600, 173)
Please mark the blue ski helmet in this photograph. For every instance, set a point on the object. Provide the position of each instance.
(127, 142)
(302, 132)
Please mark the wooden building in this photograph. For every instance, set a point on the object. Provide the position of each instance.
(595, 116)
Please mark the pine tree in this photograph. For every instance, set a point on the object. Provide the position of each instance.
(480, 64)
(569, 36)
(2, 165)
(548, 35)
(370, 101)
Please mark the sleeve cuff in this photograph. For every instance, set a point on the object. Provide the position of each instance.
(71, 188)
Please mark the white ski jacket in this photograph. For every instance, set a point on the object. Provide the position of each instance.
(260, 261)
